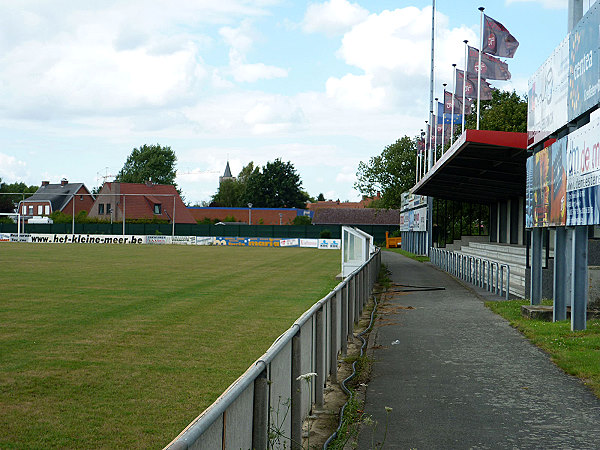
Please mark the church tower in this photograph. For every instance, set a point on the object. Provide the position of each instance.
(226, 175)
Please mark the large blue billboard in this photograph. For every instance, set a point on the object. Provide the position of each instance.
(584, 72)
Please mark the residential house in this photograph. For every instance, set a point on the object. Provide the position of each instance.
(70, 198)
(140, 201)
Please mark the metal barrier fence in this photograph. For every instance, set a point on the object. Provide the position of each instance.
(481, 272)
(271, 395)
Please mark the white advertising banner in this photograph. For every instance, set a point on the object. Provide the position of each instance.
(310, 243)
(547, 109)
(205, 240)
(289, 242)
(183, 240)
(415, 220)
(330, 244)
(79, 238)
(583, 175)
(158, 239)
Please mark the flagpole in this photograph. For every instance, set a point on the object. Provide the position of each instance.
(435, 145)
(427, 146)
(444, 117)
(453, 94)
(481, 8)
(464, 84)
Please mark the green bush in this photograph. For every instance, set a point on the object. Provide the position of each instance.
(302, 220)
(325, 234)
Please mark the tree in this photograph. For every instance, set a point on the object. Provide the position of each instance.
(149, 163)
(506, 111)
(9, 202)
(277, 185)
(391, 173)
(232, 193)
(321, 197)
(302, 220)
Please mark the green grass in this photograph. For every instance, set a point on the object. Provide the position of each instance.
(408, 254)
(576, 352)
(122, 346)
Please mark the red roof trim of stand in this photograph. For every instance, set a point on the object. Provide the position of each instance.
(499, 138)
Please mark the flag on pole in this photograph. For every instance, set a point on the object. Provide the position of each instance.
(471, 86)
(497, 40)
(491, 68)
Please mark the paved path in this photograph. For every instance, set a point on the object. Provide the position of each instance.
(460, 377)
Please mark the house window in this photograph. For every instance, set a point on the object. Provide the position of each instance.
(40, 209)
(31, 210)
(47, 208)
(157, 208)
(100, 209)
(81, 197)
(24, 210)
(108, 210)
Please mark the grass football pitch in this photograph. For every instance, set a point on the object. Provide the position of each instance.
(122, 346)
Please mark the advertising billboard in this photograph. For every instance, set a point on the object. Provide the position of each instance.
(546, 200)
(583, 175)
(584, 72)
(415, 220)
(547, 95)
(563, 181)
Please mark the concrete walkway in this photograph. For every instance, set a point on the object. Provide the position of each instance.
(458, 376)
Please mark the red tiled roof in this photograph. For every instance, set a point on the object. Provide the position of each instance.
(141, 206)
(356, 216)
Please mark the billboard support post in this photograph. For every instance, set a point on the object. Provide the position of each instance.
(579, 282)
(560, 304)
(536, 266)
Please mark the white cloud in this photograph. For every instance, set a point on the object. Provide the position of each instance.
(356, 91)
(393, 49)
(11, 169)
(548, 4)
(347, 175)
(241, 40)
(333, 17)
(99, 58)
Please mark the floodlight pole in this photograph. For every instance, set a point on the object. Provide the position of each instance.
(430, 165)
(249, 213)
(73, 218)
(173, 230)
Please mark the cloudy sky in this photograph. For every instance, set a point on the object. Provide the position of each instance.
(321, 84)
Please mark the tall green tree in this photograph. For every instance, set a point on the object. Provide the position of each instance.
(9, 202)
(232, 193)
(391, 173)
(149, 163)
(277, 185)
(506, 111)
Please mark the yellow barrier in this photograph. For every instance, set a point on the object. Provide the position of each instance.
(392, 242)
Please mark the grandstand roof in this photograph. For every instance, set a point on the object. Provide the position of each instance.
(482, 166)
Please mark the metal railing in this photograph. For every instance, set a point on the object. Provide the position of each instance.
(270, 395)
(481, 272)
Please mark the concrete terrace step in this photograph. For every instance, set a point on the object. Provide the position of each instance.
(501, 248)
(495, 256)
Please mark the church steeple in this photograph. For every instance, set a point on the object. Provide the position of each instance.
(227, 174)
